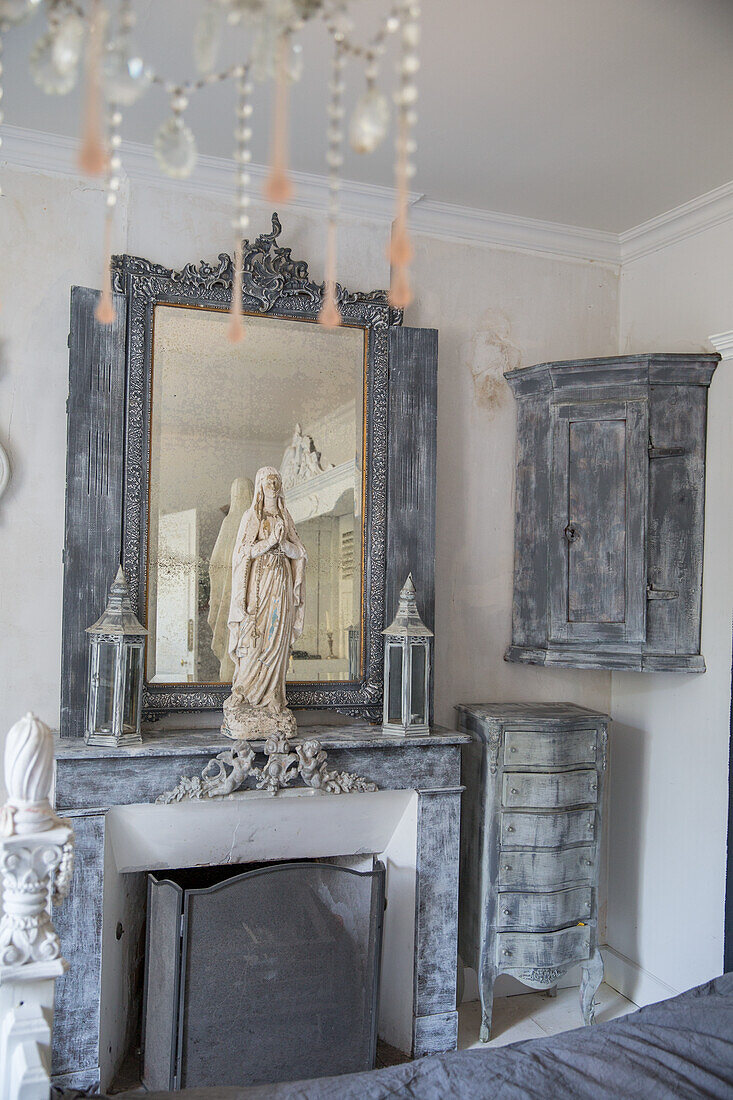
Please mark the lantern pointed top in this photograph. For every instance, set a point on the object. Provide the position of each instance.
(407, 622)
(118, 616)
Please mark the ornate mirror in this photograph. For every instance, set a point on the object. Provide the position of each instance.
(203, 415)
(168, 424)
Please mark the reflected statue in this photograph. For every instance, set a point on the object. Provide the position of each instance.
(220, 574)
(266, 613)
(301, 460)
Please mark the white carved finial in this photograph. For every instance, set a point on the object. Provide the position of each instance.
(36, 867)
(28, 776)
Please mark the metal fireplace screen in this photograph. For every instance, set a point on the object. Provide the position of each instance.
(269, 975)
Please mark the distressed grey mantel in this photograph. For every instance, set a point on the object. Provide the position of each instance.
(89, 781)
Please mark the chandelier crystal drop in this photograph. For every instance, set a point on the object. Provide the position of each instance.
(175, 148)
(125, 78)
(45, 70)
(263, 36)
(16, 11)
(369, 122)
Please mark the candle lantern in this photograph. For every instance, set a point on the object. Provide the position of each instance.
(407, 668)
(116, 655)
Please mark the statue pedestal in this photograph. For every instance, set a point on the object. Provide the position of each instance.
(244, 722)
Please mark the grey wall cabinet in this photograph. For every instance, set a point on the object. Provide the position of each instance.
(610, 496)
(530, 843)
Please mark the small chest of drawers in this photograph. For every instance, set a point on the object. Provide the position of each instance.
(530, 845)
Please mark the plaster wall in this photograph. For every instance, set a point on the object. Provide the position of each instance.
(668, 774)
(494, 309)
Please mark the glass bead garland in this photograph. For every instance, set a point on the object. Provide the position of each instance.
(117, 76)
(240, 221)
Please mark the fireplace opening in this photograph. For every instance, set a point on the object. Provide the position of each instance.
(261, 973)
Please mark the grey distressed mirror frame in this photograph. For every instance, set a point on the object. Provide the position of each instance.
(276, 285)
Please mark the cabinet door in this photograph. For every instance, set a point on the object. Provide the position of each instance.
(598, 526)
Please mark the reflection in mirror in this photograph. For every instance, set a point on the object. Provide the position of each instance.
(290, 395)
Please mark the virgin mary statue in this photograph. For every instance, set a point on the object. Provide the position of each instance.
(265, 614)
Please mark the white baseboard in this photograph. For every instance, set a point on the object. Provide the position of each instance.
(632, 981)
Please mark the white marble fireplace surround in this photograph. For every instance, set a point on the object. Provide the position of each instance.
(411, 823)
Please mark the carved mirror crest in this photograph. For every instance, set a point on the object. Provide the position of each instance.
(202, 415)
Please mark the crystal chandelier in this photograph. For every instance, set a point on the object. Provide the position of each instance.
(98, 36)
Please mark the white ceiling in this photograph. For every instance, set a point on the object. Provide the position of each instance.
(597, 113)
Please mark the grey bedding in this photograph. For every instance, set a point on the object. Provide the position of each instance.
(678, 1048)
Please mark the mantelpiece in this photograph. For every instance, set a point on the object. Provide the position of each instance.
(109, 796)
(610, 495)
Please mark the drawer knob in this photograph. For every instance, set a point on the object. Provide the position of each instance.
(587, 905)
(588, 862)
(506, 952)
(514, 790)
(590, 825)
(510, 828)
(594, 786)
(507, 866)
(507, 912)
(513, 748)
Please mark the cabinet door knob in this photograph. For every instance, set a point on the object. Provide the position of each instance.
(507, 867)
(506, 952)
(514, 790)
(513, 748)
(510, 828)
(507, 912)
(594, 786)
(572, 534)
(588, 862)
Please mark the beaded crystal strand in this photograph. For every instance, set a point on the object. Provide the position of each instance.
(330, 315)
(105, 312)
(240, 221)
(400, 250)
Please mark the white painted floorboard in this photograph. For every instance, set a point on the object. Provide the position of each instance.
(534, 1015)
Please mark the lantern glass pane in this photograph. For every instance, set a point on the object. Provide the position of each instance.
(133, 674)
(104, 688)
(418, 654)
(394, 688)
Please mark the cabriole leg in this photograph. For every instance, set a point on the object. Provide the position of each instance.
(487, 977)
(592, 978)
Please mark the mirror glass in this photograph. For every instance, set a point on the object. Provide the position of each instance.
(289, 395)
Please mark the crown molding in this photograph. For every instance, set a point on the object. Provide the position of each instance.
(723, 344)
(56, 155)
(474, 226)
(704, 212)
